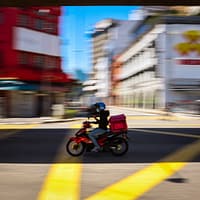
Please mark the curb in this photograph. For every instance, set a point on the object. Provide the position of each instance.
(41, 122)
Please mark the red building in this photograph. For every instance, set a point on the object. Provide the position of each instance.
(31, 78)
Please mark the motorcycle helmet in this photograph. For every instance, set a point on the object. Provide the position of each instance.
(100, 106)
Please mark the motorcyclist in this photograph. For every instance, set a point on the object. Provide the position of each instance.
(101, 117)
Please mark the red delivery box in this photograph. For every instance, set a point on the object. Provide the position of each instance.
(118, 123)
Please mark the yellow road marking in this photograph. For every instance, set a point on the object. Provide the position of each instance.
(16, 126)
(62, 182)
(168, 133)
(13, 129)
(63, 179)
(76, 126)
(137, 184)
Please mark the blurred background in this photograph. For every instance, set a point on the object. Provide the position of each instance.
(56, 61)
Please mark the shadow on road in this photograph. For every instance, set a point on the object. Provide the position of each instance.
(43, 145)
(178, 180)
(32, 146)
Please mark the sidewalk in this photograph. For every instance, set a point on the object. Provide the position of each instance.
(159, 112)
(35, 120)
(139, 110)
(42, 120)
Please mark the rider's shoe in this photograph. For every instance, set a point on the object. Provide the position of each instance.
(96, 149)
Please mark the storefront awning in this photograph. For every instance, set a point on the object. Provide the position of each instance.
(16, 85)
(9, 88)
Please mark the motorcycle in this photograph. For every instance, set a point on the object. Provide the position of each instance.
(115, 142)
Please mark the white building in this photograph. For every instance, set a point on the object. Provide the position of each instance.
(162, 66)
(110, 37)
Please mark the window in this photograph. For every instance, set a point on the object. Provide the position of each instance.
(23, 58)
(52, 28)
(154, 44)
(51, 63)
(45, 13)
(23, 20)
(39, 24)
(39, 61)
(49, 27)
(41, 12)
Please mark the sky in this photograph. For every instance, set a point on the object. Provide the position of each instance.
(76, 21)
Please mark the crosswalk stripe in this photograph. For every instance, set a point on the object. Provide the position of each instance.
(135, 185)
(63, 179)
(62, 182)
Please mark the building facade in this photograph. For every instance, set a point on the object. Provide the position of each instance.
(160, 70)
(31, 78)
(109, 38)
(116, 70)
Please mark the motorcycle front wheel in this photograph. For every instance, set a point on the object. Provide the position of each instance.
(118, 146)
(74, 148)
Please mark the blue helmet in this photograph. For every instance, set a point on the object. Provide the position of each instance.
(100, 106)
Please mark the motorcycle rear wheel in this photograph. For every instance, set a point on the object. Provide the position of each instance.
(118, 146)
(75, 149)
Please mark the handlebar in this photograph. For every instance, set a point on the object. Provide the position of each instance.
(86, 124)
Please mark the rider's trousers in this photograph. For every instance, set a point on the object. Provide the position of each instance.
(94, 134)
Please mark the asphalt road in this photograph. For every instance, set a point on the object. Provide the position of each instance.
(27, 157)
